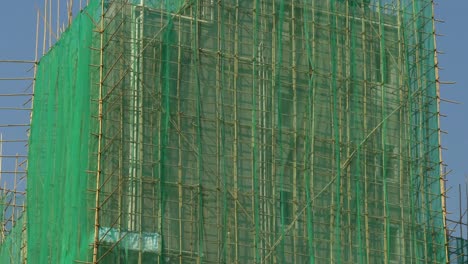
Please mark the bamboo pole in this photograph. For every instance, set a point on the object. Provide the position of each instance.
(294, 128)
(57, 22)
(442, 178)
(70, 12)
(383, 105)
(253, 140)
(313, 117)
(274, 171)
(44, 32)
(140, 29)
(5, 206)
(264, 184)
(49, 23)
(236, 134)
(335, 208)
(16, 95)
(99, 139)
(349, 111)
(402, 137)
(17, 79)
(14, 206)
(265, 208)
(219, 210)
(365, 128)
(179, 137)
(225, 257)
(21, 61)
(160, 151)
(122, 175)
(255, 92)
(420, 147)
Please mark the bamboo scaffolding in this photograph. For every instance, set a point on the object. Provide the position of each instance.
(13, 138)
(99, 139)
(180, 160)
(294, 148)
(439, 99)
(295, 183)
(236, 135)
(18, 61)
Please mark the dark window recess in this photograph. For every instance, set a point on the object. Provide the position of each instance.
(206, 8)
(286, 207)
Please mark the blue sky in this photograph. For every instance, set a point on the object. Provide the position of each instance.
(454, 61)
(17, 41)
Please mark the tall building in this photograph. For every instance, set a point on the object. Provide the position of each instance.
(237, 131)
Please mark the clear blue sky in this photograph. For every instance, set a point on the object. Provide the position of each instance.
(454, 64)
(17, 41)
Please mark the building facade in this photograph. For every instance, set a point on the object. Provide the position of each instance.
(238, 131)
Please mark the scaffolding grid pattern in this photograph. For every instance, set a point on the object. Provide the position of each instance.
(238, 131)
(15, 109)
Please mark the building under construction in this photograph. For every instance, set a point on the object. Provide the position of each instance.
(236, 131)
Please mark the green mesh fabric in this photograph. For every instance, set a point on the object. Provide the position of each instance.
(59, 229)
(238, 131)
(13, 247)
(458, 250)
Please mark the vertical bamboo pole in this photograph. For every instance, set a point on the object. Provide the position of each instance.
(57, 22)
(230, 222)
(49, 23)
(15, 193)
(336, 130)
(357, 118)
(5, 204)
(313, 56)
(140, 24)
(365, 130)
(421, 192)
(265, 208)
(383, 106)
(253, 140)
(99, 139)
(442, 180)
(236, 136)
(160, 144)
(254, 132)
(122, 174)
(133, 130)
(179, 138)
(273, 125)
(265, 179)
(70, 12)
(408, 93)
(218, 106)
(349, 111)
(279, 112)
(332, 223)
(294, 128)
(260, 88)
(36, 54)
(222, 39)
(44, 32)
(403, 136)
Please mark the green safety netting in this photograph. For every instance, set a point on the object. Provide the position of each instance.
(458, 249)
(60, 225)
(238, 131)
(13, 244)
